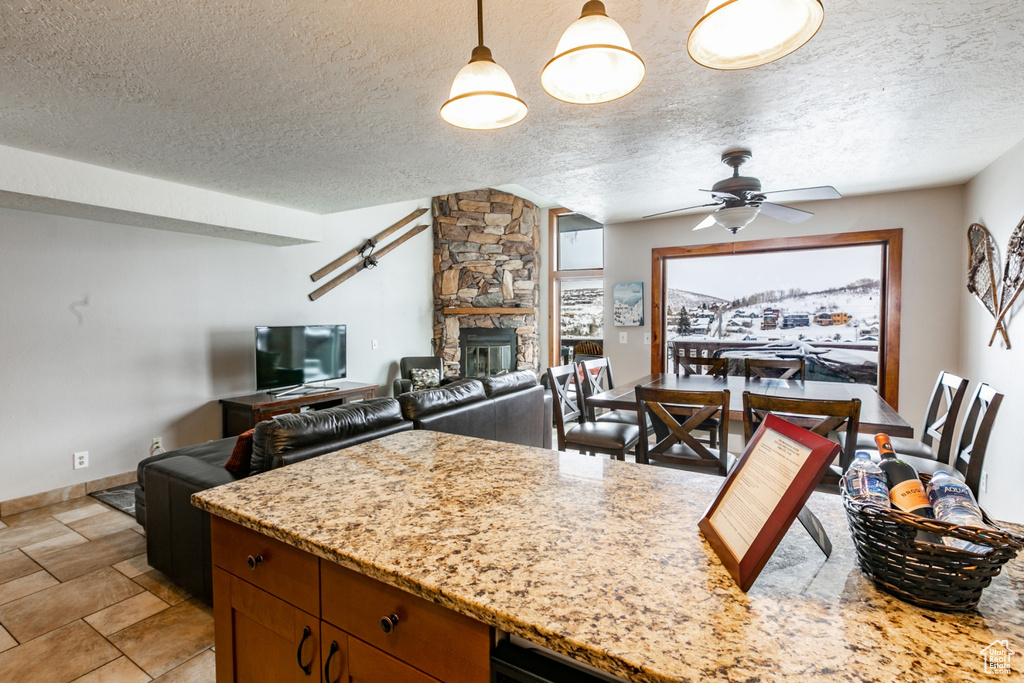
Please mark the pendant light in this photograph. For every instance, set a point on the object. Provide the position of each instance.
(482, 96)
(594, 61)
(739, 34)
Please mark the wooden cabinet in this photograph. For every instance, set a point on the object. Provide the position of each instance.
(282, 614)
(241, 413)
(260, 638)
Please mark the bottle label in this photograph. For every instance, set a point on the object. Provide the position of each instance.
(862, 485)
(909, 495)
(954, 493)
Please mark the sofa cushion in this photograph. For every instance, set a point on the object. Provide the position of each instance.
(418, 404)
(274, 439)
(241, 456)
(510, 381)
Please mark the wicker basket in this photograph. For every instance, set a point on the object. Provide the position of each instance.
(925, 574)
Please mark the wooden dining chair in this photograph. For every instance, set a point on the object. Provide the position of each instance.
(596, 376)
(936, 442)
(681, 413)
(969, 459)
(819, 416)
(981, 415)
(612, 438)
(774, 368)
(700, 365)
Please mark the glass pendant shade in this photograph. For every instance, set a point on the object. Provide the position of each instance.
(739, 34)
(483, 96)
(594, 61)
(736, 218)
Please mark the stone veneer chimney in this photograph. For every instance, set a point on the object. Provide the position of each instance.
(486, 271)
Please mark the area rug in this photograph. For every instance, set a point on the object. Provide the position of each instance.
(120, 497)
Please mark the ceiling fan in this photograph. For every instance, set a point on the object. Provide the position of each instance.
(740, 198)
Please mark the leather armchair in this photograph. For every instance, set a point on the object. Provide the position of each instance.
(403, 383)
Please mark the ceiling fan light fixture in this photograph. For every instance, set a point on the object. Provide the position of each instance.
(736, 218)
(483, 96)
(740, 34)
(594, 61)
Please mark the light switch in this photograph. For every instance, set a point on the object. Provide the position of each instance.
(623, 338)
(647, 337)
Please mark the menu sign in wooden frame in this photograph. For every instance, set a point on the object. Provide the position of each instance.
(763, 494)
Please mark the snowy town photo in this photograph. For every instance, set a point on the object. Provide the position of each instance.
(746, 305)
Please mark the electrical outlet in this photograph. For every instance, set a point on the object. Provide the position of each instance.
(647, 337)
(81, 460)
(623, 338)
(373, 344)
(984, 482)
(157, 446)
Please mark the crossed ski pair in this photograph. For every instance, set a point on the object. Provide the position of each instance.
(369, 258)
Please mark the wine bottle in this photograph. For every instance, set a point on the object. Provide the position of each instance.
(905, 488)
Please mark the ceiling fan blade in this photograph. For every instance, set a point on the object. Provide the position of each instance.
(805, 194)
(706, 223)
(784, 213)
(687, 208)
(723, 195)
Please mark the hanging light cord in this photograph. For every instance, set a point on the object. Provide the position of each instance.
(480, 21)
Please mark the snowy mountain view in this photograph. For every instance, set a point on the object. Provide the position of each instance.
(823, 306)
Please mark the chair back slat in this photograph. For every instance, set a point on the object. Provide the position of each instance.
(566, 394)
(595, 377)
(773, 368)
(819, 416)
(943, 410)
(981, 416)
(680, 413)
(701, 365)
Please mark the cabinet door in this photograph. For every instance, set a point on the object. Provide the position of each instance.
(367, 664)
(334, 647)
(260, 638)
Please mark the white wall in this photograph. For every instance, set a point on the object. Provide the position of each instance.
(168, 330)
(932, 275)
(994, 199)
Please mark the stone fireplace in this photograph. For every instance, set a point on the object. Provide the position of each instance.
(486, 275)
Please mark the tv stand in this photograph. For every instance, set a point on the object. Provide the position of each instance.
(241, 413)
(304, 390)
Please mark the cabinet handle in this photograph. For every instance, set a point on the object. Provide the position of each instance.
(389, 623)
(306, 668)
(327, 664)
(254, 562)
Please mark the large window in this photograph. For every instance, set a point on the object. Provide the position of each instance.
(832, 300)
(577, 284)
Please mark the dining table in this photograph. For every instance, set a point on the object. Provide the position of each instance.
(875, 414)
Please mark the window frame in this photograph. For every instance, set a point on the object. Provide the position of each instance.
(555, 277)
(891, 242)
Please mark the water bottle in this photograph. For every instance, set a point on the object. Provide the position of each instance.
(953, 502)
(865, 481)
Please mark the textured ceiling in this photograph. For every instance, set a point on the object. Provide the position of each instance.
(327, 106)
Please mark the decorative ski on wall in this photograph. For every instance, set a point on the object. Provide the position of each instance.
(368, 258)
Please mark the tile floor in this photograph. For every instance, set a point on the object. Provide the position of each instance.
(79, 603)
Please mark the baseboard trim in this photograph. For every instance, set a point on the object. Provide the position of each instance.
(38, 500)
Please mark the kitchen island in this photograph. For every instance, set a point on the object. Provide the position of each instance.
(602, 561)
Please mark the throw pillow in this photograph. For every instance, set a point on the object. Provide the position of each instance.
(423, 378)
(241, 456)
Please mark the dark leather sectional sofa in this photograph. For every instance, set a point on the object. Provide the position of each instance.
(512, 408)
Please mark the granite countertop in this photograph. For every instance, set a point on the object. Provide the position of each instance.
(602, 560)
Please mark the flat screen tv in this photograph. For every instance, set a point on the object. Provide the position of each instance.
(298, 355)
